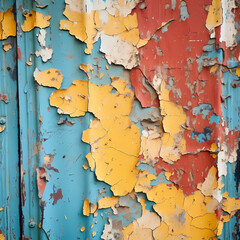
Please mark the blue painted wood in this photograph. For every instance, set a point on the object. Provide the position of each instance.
(60, 217)
(9, 152)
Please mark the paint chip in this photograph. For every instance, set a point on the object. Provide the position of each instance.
(35, 19)
(50, 78)
(73, 100)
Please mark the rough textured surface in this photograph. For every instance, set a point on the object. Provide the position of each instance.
(145, 140)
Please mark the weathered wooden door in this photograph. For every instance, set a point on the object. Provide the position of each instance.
(119, 119)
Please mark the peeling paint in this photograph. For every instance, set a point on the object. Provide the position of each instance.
(35, 19)
(8, 24)
(72, 101)
(7, 47)
(153, 149)
(115, 157)
(45, 52)
(49, 78)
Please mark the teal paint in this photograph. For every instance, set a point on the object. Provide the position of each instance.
(9, 151)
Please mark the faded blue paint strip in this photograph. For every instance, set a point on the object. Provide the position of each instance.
(9, 152)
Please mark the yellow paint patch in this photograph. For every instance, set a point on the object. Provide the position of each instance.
(7, 47)
(8, 24)
(35, 19)
(230, 205)
(101, 75)
(115, 142)
(50, 78)
(107, 202)
(87, 26)
(189, 216)
(85, 166)
(2, 237)
(142, 43)
(82, 229)
(143, 182)
(168, 175)
(94, 234)
(73, 100)
(135, 232)
(213, 68)
(87, 69)
(214, 149)
(173, 142)
(237, 72)
(29, 63)
(161, 232)
(93, 208)
(214, 17)
(91, 161)
(65, 217)
(2, 128)
(80, 25)
(86, 207)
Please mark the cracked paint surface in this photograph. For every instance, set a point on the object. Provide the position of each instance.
(144, 143)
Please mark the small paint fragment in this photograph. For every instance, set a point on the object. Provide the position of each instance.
(238, 72)
(35, 19)
(56, 195)
(29, 63)
(214, 68)
(91, 161)
(168, 175)
(85, 166)
(93, 208)
(174, 117)
(3, 97)
(65, 217)
(2, 237)
(101, 75)
(183, 11)
(107, 202)
(8, 24)
(50, 78)
(7, 47)
(94, 234)
(210, 186)
(230, 205)
(87, 69)
(45, 52)
(2, 128)
(42, 179)
(214, 17)
(112, 47)
(82, 229)
(73, 100)
(86, 207)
